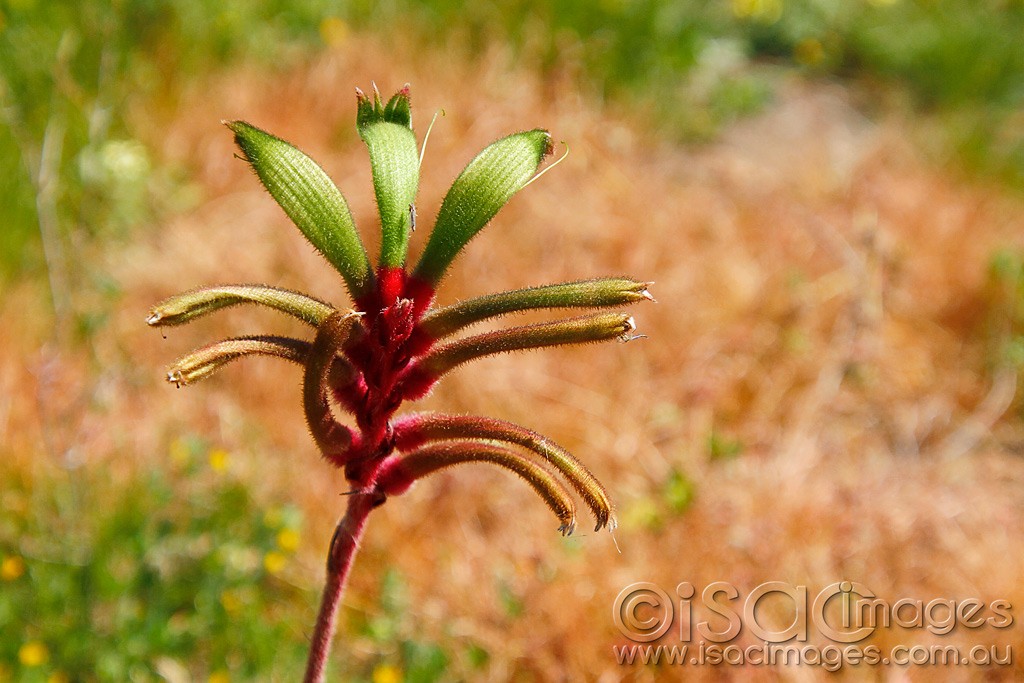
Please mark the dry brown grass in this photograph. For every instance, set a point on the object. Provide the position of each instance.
(821, 301)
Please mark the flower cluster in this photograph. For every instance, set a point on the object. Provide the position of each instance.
(393, 345)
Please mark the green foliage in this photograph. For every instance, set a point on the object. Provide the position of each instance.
(961, 61)
(78, 67)
(723, 447)
(672, 498)
(690, 63)
(178, 571)
(404, 652)
(679, 492)
(511, 602)
(177, 575)
(70, 72)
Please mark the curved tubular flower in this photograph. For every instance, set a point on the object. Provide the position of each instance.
(600, 293)
(582, 330)
(399, 473)
(503, 168)
(388, 348)
(205, 361)
(412, 431)
(394, 160)
(332, 438)
(186, 307)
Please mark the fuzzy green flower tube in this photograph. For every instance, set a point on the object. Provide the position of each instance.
(394, 161)
(598, 293)
(484, 186)
(311, 200)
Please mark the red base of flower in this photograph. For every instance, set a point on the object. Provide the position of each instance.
(382, 356)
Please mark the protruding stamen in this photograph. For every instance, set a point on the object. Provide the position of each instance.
(550, 166)
(426, 136)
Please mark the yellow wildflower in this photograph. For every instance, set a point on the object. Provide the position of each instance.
(386, 673)
(274, 562)
(219, 459)
(33, 653)
(231, 601)
(333, 31)
(288, 540)
(809, 51)
(12, 568)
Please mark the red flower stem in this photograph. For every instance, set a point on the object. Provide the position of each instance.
(339, 562)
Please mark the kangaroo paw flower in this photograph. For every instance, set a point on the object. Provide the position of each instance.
(600, 293)
(205, 361)
(332, 438)
(398, 473)
(583, 330)
(412, 431)
(186, 307)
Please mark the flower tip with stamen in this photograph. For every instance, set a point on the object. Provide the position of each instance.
(549, 144)
(629, 325)
(153, 318)
(607, 520)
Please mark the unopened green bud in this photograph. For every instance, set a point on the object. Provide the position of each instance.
(394, 160)
(310, 199)
(484, 186)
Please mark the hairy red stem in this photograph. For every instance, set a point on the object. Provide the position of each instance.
(339, 562)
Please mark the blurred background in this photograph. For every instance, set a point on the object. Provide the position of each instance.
(826, 193)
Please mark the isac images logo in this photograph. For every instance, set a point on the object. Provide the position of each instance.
(716, 625)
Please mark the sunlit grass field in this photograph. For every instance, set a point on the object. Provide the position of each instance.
(823, 194)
